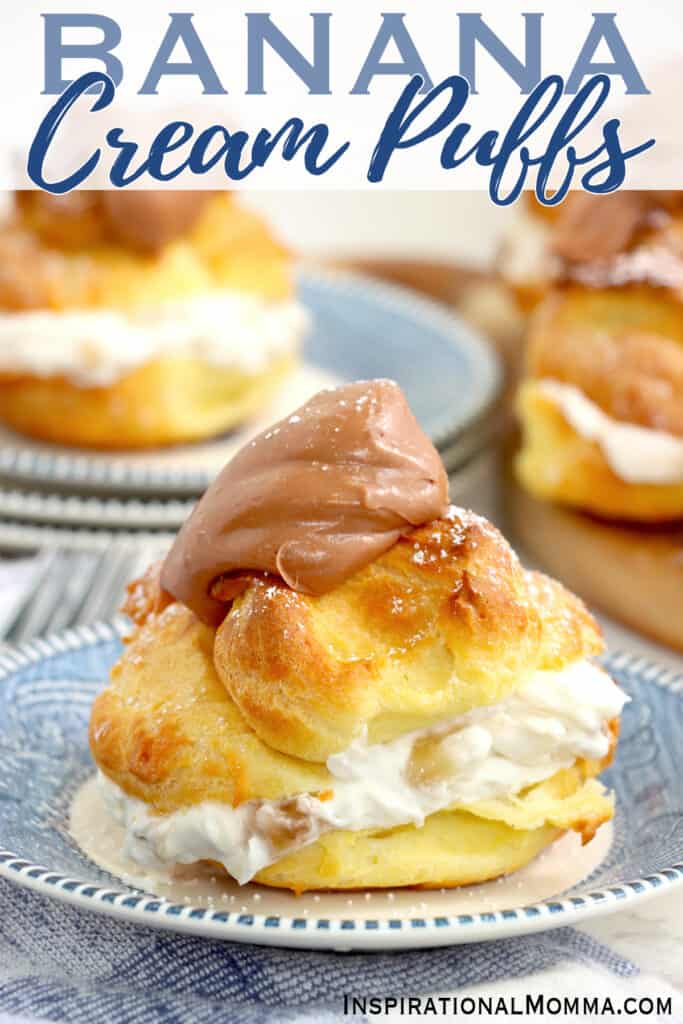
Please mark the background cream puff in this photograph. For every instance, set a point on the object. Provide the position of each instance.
(601, 404)
(138, 319)
(433, 722)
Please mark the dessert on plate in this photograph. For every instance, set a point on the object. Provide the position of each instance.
(601, 404)
(336, 680)
(130, 319)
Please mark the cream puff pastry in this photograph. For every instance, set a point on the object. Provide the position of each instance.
(136, 319)
(351, 684)
(602, 403)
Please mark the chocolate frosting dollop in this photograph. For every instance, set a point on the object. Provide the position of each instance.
(313, 499)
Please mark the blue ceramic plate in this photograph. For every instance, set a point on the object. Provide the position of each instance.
(360, 329)
(45, 695)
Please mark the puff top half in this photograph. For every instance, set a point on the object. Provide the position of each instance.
(444, 621)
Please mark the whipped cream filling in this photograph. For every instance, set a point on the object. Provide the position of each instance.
(637, 455)
(490, 752)
(95, 348)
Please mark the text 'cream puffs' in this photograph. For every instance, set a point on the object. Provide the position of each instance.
(339, 681)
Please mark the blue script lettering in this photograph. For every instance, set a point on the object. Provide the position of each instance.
(401, 119)
(292, 139)
(496, 151)
(238, 161)
(51, 122)
(587, 103)
(414, 120)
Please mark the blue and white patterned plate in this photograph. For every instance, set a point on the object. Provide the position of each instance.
(45, 695)
(360, 329)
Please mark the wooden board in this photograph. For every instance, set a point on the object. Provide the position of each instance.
(633, 574)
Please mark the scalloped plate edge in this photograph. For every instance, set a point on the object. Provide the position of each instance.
(324, 933)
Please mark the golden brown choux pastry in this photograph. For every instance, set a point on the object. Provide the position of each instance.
(138, 319)
(337, 680)
(247, 715)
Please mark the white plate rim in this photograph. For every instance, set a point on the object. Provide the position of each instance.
(343, 934)
(65, 469)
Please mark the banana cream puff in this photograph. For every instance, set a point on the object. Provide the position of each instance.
(337, 681)
(136, 319)
(602, 405)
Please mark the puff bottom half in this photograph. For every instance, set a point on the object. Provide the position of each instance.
(453, 847)
(556, 463)
(168, 401)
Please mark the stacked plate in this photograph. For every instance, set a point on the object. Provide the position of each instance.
(57, 496)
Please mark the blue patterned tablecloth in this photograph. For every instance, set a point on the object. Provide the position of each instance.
(62, 964)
